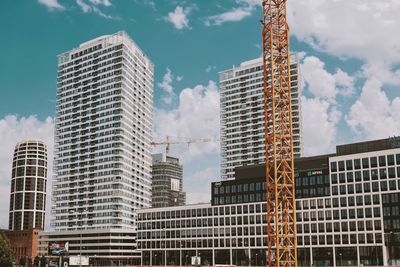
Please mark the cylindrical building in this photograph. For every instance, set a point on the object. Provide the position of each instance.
(28, 186)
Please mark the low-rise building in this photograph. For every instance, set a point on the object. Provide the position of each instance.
(348, 214)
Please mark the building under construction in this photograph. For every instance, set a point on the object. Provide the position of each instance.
(167, 182)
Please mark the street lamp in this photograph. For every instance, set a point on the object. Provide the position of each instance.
(340, 255)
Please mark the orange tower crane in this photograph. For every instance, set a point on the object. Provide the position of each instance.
(178, 140)
(281, 210)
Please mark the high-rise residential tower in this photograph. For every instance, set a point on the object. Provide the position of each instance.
(242, 115)
(167, 183)
(102, 152)
(28, 186)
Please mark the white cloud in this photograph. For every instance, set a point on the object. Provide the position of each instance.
(179, 17)
(51, 4)
(93, 6)
(244, 10)
(198, 185)
(362, 29)
(210, 68)
(236, 14)
(14, 129)
(373, 115)
(101, 2)
(197, 116)
(166, 83)
(320, 120)
(323, 84)
(320, 115)
(85, 7)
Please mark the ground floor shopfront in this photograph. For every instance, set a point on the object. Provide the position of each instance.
(315, 256)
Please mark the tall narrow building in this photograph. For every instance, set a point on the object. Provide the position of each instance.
(28, 186)
(27, 199)
(102, 156)
(167, 184)
(242, 115)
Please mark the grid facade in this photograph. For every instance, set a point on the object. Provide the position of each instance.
(347, 214)
(103, 133)
(167, 182)
(242, 115)
(28, 186)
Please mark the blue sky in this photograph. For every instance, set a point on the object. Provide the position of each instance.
(349, 55)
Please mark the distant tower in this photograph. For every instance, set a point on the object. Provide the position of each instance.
(28, 186)
(167, 182)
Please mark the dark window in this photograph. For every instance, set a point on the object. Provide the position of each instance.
(366, 175)
(349, 165)
(333, 167)
(367, 187)
(384, 186)
(392, 172)
(350, 177)
(390, 160)
(357, 176)
(365, 163)
(334, 178)
(357, 164)
(342, 177)
(374, 162)
(341, 165)
(375, 186)
(382, 161)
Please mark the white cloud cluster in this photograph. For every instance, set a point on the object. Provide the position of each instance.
(93, 6)
(14, 129)
(179, 17)
(51, 4)
(197, 116)
(320, 113)
(373, 115)
(244, 10)
(323, 84)
(362, 29)
(166, 85)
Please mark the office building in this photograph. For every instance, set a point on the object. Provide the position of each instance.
(102, 158)
(242, 115)
(347, 214)
(167, 182)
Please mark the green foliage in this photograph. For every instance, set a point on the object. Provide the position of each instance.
(36, 261)
(43, 261)
(6, 253)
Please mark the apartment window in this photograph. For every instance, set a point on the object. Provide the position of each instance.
(392, 185)
(357, 176)
(342, 178)
(367, 187)
(384, 186)
(357, 164)
(350, 177)
(334, 178)
(390, 160)
(382, 161)
(392, 172)
(374, 162)
(341, 165)
(351, 201)
(333, 166)
(376, 199)
(366, 176)
(382, 173)
(349, 165)
(365, 163)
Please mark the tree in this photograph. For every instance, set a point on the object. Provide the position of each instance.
(22, 261)
(36, 261)
(43, 261)
(6, 253)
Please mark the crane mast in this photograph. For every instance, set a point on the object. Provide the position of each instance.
(281, 211)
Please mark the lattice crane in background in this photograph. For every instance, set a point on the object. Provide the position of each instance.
(281, 211)
(178, 140)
